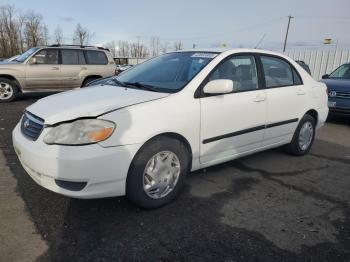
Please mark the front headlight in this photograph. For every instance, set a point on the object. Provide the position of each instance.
(80, 132)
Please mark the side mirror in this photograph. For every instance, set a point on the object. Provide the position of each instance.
(32, 61)
(325, 76)
(217, 87)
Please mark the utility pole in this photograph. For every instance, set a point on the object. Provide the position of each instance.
(285, 39)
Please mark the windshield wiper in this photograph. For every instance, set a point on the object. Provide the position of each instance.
(141, 86)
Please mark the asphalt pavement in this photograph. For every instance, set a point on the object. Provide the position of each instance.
(266, 207)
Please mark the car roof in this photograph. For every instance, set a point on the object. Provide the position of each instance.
(233, 50)
(97, 48)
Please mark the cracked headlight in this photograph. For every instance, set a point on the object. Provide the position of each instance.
(80, 132)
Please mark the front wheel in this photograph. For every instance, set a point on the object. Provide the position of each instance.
(8, 90)
(157, 173)
(303, 137)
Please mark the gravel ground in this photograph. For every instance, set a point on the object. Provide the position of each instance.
(266, 207)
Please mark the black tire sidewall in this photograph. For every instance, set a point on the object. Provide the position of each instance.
(134, 183)
(88, 81)
(14, 90)
(294, 146)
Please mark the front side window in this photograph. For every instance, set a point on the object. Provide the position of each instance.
(69, 57)
(47, 56)
(96, 58)
(168, 72)
(277, 72)
(342, 72)
(241, 70)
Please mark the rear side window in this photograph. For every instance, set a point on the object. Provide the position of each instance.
(69, 57)
(296, 78)
(277, 72)
(96, 58)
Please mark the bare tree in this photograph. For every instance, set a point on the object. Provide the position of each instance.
(164, 47)
(35, 31)
(112, 48)
(155, 46)
(9, 27)
(81, 35)
(138, 50)
(178, 46)
(19, 32)
(123, 49)
(58, 36)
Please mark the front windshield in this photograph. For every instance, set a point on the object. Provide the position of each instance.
(26, 54)
(342, 72)
(168, 72)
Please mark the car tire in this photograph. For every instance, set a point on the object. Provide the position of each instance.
(88, 80)
(8, 90)
(303, 137)
(161, 161)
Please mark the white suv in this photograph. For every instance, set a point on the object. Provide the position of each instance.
(140, 133)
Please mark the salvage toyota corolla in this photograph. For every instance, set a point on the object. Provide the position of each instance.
(140, 133)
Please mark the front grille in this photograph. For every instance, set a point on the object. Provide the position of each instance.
(31, 126)
(342, 94)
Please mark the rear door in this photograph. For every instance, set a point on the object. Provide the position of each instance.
(232, 124)
(73, 68)
(45, 72)
(287, 99)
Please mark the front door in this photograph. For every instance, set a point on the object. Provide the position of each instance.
(43, 71)
(233, 124)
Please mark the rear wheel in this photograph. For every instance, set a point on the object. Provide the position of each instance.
(157, 173)
(88, 80)
(8, 90)
(303, 137)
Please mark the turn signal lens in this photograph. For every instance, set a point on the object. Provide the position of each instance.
(100, 135)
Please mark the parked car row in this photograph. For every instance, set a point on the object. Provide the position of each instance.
(139, 134)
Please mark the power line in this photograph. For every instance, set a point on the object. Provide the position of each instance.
(257, 45)
(247, 28)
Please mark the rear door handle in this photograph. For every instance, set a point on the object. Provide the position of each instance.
(300, 92)
(54, 68)
(83, 68)
(259, 98)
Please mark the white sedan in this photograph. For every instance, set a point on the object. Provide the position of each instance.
(140, 133)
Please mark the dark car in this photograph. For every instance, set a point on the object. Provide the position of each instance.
(304, 65)
(338, 85)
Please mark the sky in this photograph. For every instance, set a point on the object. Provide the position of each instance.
(205, 23)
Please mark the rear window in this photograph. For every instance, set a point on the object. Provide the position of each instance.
(96, 58)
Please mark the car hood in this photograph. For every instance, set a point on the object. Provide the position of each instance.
(341, 85)
(89, 102)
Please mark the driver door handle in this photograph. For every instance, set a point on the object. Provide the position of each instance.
(259, 98)
(54, 68)
(300, 92)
